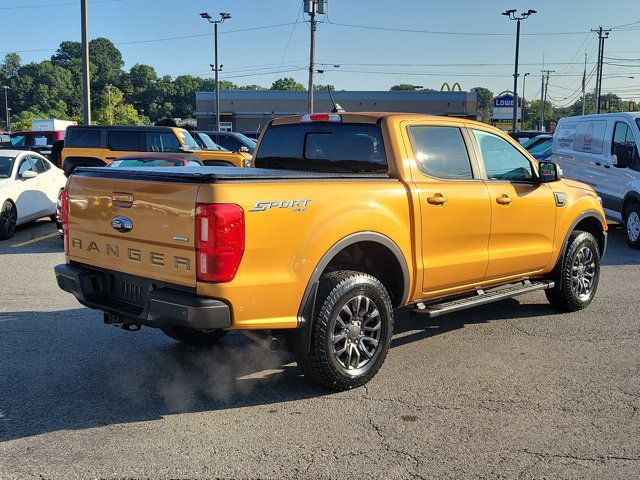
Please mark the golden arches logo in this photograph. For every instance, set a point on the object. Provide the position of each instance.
(452, 88)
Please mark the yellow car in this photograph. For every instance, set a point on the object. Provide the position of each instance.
(345, 218)
(97, 146)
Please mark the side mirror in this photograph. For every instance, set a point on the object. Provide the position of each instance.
(548, 172)
(28, 174)
(244, 149)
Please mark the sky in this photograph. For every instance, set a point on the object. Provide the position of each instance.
(361, 44)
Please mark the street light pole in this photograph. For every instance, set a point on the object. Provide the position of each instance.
(6, 107)
(513, 15)
(223, 16)
(86, 82)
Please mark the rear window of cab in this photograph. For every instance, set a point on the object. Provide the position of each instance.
(323, 147)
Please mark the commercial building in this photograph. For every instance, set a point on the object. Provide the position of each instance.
(251, 110)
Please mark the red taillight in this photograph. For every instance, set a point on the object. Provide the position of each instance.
(219, 241)
(64, 216)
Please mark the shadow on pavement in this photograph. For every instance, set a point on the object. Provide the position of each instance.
(66, 370)
(34, 231)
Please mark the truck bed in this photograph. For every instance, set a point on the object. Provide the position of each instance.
(215, 174)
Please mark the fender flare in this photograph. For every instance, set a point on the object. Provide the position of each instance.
(631, 194)
(587, 214)
(300, 338)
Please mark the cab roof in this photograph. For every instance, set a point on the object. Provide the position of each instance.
(371, 117)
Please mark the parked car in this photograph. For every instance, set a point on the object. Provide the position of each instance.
(345, 218)
(540, 147)
(99, 145)
(602, 151)
(233, 141)
(156, 160)
(205, 142)
(29, 187)
(522, 136)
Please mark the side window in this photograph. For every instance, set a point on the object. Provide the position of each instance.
(85, 138)
(624, 144)
(162, 142)
(230, 143)
(440, 152)
(25, 166)
(40, 164)
(502, 161)
(124, 140)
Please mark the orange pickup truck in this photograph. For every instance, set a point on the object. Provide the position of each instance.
(344, 218)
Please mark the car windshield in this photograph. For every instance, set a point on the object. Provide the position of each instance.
(210, 144)
(188, 140)
(250, 142)
(541, 147)
(6, 164)
(148, 162)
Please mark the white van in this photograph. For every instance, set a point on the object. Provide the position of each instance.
(602, 151)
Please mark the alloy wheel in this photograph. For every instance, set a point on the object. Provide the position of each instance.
(8, 219)
(583, 273)
(633, 227)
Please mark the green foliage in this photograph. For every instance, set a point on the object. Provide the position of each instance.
(10, 66)
(113, 110)
(323, 88)
(287, 83)
(404, 87)
(485, 103)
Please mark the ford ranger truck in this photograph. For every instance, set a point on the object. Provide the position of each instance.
(345, 218)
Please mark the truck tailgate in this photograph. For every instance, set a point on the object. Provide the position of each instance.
(160, 242)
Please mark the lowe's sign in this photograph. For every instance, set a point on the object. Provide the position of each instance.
(503, 107)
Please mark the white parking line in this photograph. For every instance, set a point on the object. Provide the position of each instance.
(38, 239)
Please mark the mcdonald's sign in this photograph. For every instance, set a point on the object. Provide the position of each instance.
(445, 86)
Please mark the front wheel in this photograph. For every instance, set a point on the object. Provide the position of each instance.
(351, 331)
(8, 220)
(632, 226)
(576, 280)
(194, 337)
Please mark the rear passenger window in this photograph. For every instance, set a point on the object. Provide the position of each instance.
(40, 164)
(123, 140)
(502, 161)
(85, 138)
(162, 142)
(440, 152)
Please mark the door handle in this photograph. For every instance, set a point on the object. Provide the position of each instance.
(437, 199)
(504, 200)
(599, 164)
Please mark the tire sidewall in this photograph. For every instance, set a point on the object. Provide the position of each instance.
(4, 234)
(341, 294)
(581, 240)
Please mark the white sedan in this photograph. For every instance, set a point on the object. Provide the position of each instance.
(29, 187)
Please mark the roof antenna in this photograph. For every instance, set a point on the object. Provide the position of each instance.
(336, 106)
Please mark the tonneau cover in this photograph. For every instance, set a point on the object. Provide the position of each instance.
(213, 174)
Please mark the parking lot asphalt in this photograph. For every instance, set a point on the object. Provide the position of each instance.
(509, 390)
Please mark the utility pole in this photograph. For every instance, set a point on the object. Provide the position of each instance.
(543, 95)
(223, 16)
(313, 8)
(584, 84)
(513, 15)
(603, 34)
(6, 107)
(86, 83)
(524, 84)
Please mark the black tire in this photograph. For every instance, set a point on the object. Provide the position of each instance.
(347, 302)
(194, 337)
(8, 220)
(576, 278)
(632, 225)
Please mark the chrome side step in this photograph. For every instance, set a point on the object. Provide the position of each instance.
(482, 297)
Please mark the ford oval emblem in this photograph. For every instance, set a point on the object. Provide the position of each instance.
(122, 224)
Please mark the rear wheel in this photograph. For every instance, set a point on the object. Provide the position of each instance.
(351, 331)
(8, 220)
(195, 337)
(632, 225)
(576, 280)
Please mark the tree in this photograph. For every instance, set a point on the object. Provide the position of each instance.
(404, 87)
(287, 83)
(113, 110)
(10, 66)
(252, 87)
(66, 53)
(323, 88)
(107, 62)
(485, 103)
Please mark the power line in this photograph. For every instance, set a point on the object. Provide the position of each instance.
(47, 5)
(438, 32)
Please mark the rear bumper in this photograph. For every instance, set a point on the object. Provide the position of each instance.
(158, 307)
